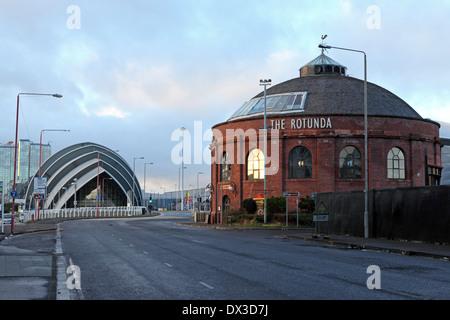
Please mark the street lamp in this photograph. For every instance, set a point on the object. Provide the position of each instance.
(265, 83)
(134, 161)
(181, 196)
(40, 156)
(164, 200)
(366, 182)
(182, 166)
(40, 144)
(198, 202)
(55, 95)
(145, 173)
(74, 183)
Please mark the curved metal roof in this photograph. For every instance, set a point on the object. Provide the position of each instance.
(323, 88)
(84, 161)
(327, 95)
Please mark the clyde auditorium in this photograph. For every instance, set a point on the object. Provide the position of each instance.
(77, 173)
(315, 140)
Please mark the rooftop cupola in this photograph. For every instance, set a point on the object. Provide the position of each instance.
(322, 65)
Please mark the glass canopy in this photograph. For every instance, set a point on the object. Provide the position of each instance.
(279, 103)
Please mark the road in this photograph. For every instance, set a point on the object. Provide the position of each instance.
(157, 258)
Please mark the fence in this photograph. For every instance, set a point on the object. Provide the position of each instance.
(92, 212)
(412, 213)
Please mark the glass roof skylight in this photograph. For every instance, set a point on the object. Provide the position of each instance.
(281, 103)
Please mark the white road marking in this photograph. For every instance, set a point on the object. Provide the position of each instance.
(206, 285)
(168, 264)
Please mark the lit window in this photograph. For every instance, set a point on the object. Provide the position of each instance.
(255, 165)
(225, 168)
(350, 163)
(396, 164)
(300, 163)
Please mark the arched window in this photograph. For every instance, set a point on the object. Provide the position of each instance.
(300, 163)
(255, 165)
(225, 168)
(396, 164)
(350, 163)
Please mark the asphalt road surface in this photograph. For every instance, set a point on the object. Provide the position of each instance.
(157, 258)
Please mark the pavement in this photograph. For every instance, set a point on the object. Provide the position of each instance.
(31, 275)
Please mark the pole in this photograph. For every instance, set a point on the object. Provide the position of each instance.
(366, 165)
(182, 167)
(98, 177)
(75, 197)
(287, 215)
(265, 83)
(265, 158)
(15, 149)
(15, 166)
(3, 204)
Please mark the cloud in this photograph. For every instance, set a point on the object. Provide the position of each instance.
(111, 111)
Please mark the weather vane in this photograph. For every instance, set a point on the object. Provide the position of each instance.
(323, 38)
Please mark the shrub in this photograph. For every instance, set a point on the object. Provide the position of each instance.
(249, 205)
(307, 204)
(276, 205)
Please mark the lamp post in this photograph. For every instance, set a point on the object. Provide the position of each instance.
(40, 156)
(145, 173)
(134, 161)
(366, 168)
(181, 196)
(74, 183)
(265, 83)
(55, 95)
(182, 166)
(164, 200)
(198, 202)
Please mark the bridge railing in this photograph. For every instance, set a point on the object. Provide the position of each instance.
(91, 212)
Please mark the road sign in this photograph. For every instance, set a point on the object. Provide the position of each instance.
(320, 217)
(40, 185)
(291, 194)
(38, 196)
(14, 193)
(321, 209)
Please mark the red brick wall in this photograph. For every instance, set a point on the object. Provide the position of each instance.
(413, 137)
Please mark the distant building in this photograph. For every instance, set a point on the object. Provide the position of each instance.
(87, 175)
(27, 161)
(445, 155)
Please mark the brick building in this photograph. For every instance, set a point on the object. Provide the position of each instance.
(315, 140)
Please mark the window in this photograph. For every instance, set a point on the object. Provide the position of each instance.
(396, 164)
(434, 176)
(255, 165)
(300, 163)
(350, 163)
(225, 168)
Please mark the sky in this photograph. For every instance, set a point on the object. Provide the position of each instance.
(133, 72)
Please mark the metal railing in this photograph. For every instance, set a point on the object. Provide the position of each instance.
(91, 212)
